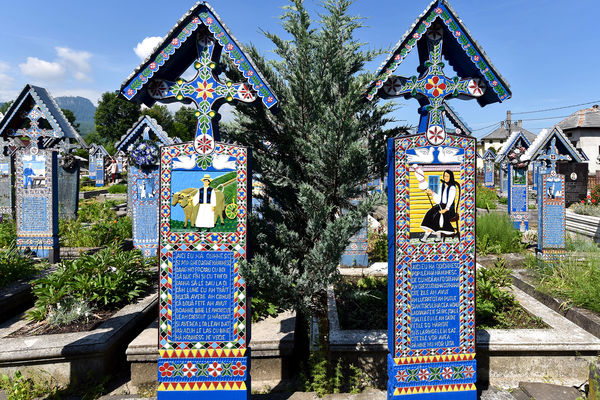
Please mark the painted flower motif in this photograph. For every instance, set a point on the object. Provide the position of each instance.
(238, 369)
(436, 86)
(494, 83)
(145, 154)
(189, 369)
(250, 73)
(476, 58)
(469, 372)
(423, 374)
(166, 369)
(129, 92)
(401, 375)
(270, 99)
(438, 10)
(397, 57)
(215, 369)
(229, 47)
(196, 20)
(209, 20)
(457, 33)
(447, 373)
(416, 35)
(204, 90)
(175, 41)
(152, 65)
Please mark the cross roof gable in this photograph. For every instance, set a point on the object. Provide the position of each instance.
(542, 143)
(30, 97)
(97, 150)
(463, 53)
(510, 144)
(489, 155)
(137, 130)
(176, 53)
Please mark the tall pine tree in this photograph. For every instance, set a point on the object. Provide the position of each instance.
(312, 157)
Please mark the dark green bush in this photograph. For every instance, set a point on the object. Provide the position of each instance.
(8, 234)
(108, 279)
(497, 235)
(362, 305)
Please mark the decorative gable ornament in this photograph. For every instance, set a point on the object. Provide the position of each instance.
(198, 39)
(437, 34)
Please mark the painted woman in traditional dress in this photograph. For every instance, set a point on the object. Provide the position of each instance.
(207, 201)
(437, 219)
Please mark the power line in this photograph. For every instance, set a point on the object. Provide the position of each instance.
(541, 119)
(485, 127)
(556, 108)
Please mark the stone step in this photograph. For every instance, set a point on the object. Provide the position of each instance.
(547, 391)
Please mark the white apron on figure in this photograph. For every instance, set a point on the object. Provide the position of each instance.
(206, 201)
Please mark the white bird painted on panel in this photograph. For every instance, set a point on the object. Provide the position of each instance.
(221, 161)
(422, 156)
(448, 155)
(185, 162)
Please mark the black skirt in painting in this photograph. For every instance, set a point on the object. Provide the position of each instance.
(432, 219)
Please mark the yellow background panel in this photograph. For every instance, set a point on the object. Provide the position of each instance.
(418, 200)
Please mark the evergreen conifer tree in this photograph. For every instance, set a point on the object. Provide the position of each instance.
(312, 157)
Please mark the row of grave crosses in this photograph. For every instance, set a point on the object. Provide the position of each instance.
(432, 88)
(205, 90)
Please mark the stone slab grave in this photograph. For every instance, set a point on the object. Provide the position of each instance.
(489, 168)
(68, 181)
(35, 123)
(511, 157)
(205, 195)
(431, 324)
(143, 180)
(559, 354)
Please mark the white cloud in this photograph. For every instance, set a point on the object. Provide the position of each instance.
(5, 79)
(146, 46)
(43, 70)
(78, 62)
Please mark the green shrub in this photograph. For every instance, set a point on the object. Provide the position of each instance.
(581, 245)
(503, 200)
(496, 235)
(8, 234)
(595, 195)
(377, 247)
(108, 279)
(15, 266)
(118, 188)
(486, 198)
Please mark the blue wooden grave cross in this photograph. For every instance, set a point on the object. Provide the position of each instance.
(432, 88)
(34, 132)
(206, 91)
(552, 156)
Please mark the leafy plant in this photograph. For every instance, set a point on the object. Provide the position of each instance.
(585, 209)
(69, 311)
(108, 279)
(496, 307)
(15, 266)
(496, 235)
(594, 196)
(503, 200)
(343, 378)
(486, 198)
(377, 246)
(263, 308)
(20, 388)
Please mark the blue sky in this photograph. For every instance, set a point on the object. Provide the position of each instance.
(546, 50)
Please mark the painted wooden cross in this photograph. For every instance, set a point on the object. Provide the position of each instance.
(34, 132)
(432, 88)
(552, 156)
(207, 92)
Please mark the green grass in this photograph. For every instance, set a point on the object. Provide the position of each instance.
(576, 280)
(118, 188)
(496, 235)
(486, 198)
(581, 244)
(229, 226)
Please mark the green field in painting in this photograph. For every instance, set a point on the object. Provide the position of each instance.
(229, 226)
